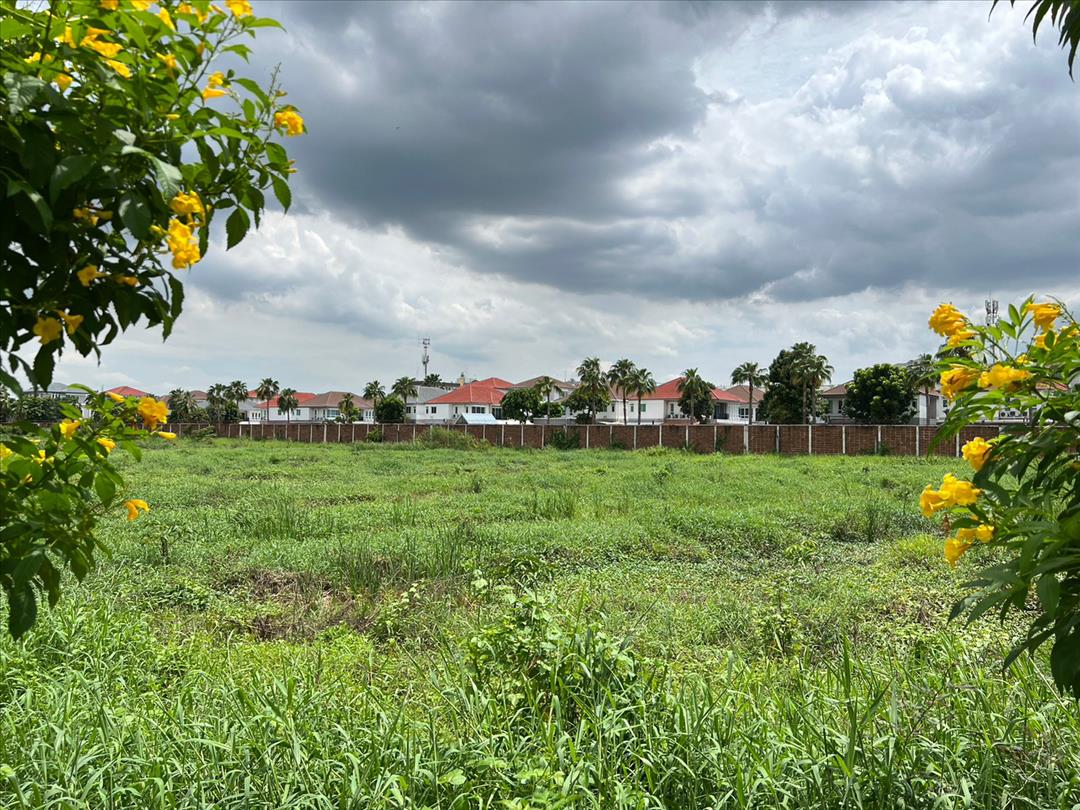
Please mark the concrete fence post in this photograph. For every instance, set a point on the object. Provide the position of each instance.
(502, 436)
(958, 445)
(715, 435)
(809, 440)
(877, 449)
(311, 433)
(777, 438)
(352, 438)
(587, 436)
(746, 439)
(843, 440)
(543, 436)
(686, 441)
(325, 427)
(610, 435)
(660, 435)
(917, 441)
(414, 432)
(635, 437)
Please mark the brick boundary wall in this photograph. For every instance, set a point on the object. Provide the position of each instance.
(815, 440)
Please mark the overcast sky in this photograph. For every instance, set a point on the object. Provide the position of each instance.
(683, 185)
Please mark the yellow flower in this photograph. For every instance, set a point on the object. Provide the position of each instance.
(109, 5)
(187, 8)
(216, 79)
(165, 435)
(163, 15)
(1040, 339)
(131, 281)
(5, 451)
(977, 451)
(33, 58)
(115, 397)
(108, 444)
(947, 320)
(1022, 360)
(291, 121)
(67, 38)
(172, 116)
(142, 5)
(93, 41)
(955, 548)
(239, 8)
(956, 379)
(1000, 376)
(1044, 314)
(957, 492)
(85, 215)
(134, 505)
(72, 322)
(168, 58)
(180, 240)
(88, 274)
(931, 501)
(985, 533)
(62, 81)
(212, 92)
(185, 256)
(119, 67)
(152, 412)
(956, 338)
(187, 204)
(68, 428)
(47, 329)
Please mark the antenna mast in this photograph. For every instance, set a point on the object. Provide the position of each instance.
(425, 343)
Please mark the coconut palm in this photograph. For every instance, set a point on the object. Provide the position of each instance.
(347, 410)
(375, 392)
(266, 391)
(182, 405)
(217, 394)
(593, 389)
(433, 380)
(403, 388)
(694, 394)
(287, 403)
(750, 375)
(924, 376)
(641, 383)
(810, 371)
(619, 376)
(545, 387)
(236, 391)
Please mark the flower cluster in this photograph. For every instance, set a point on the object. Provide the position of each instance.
(181, 238)
(290, 121)
(953, 492)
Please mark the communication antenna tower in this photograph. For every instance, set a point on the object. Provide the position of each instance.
(425, 343)
(991, 311)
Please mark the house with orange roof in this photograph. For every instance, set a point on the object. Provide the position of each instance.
(479, 397)
(271, 412)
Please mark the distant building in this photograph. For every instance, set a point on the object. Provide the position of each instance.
(928, 404)
(482, 396)
(302, 413)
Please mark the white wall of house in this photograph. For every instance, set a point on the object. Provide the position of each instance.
(301, 414)
(651, 410)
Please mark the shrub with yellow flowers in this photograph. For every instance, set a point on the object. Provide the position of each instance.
(124, 135)
(1020, 499)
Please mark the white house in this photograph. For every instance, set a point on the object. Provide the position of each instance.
(930, 404)
(482, 396)
(416, 409)
(301, 413)
(661, 404)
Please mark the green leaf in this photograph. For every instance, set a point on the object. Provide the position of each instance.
(21, 91)
(169, 179)
(135, 214)
(105, 489)
(236, 227)
(282, 192)
(1049, 592)
(125, 137)
(22, 610)
(69, 170)
(43, 211)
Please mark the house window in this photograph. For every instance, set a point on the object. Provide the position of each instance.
(477, 409)
(744, 413)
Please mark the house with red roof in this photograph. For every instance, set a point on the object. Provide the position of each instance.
(662, 404)
(128, 391)
(740, 411)
(478, 397)
(302, 413)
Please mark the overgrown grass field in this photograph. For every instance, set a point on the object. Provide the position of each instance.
(387, 626)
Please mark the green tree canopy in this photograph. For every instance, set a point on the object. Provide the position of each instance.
(390, 410)
(883, 394)
(695, 395)
(521, 404)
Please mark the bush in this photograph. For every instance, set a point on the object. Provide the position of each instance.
(1022, 501)
(561, 440)
(390, 410)
(374, 436)
(444, 438)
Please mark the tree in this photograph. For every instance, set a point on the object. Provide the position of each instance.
(287, 403)
(545, 387)
(923, 372)
(390, 409)
(348, 412)
(1065, 14)
(641, 383)
(620, 375)
(783, 400)
(521, 404)
(809, 370)
(374, 391)
(115, 158)
(695, 395)
(433, 380)
(593, 394)
(550, 410)
(883, 394)
(236, 391)
(750, 375)
(183, 407)
(266, 391)
(404, 388)
(1022, 502)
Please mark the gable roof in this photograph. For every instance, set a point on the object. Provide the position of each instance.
(475, 393)
(331, 399)
(127, 391)
(720, 395)
(494, 382)
(302, 398)
(533, 381)
(669, 390)
(835, 391)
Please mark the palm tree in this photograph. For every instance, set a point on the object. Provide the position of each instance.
(695, 393)
(182, 405)
(593, 388)
(810, 370)
(266, 391)
(374, 391)
(217, 394)
(641, 383)
(545, 387)
(924, 376)
(237, 391)
(287, 403)
(751, 375)
(619, 375)
(433, 380)
(347, 409)
(403, 388)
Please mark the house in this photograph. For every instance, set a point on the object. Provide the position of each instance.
(301, 413)
(68, 393)
(728, 407)
(128, 391)
(482, 396)
(416, 407)
(741, 412)
(930, 404)
(326, 407)
(661, 404)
